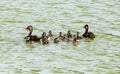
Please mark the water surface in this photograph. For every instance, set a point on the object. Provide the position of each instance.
(99, 56)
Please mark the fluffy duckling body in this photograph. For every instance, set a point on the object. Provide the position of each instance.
(75, 40)
(62, 37)
(56, 40)
(78, 36)
(45, 40)
(50, 33)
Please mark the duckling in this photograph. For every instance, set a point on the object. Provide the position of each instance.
(48, 38)
(31, 37)
(69, 36)
(88, 34)
(43, 35)
(78, 36)
(56, 40)
(45, 40)
(50, 33)
(62, 37)
(75, 40)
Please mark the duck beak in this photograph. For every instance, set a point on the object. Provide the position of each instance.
(26, 29)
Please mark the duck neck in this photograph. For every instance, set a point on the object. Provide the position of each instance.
(77, 34)
(60, 35)
(30, 33)
(86, 30)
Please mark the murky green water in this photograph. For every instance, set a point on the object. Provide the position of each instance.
(100, 56)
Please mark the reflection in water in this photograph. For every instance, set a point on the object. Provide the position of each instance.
(30, 44)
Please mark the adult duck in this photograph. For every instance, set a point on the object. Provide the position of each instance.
(88, 34)
(31, 37)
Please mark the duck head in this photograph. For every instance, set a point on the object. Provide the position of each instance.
(78, 33)
(50, 32)
(69, 32)
(86, 26)
(30, 28)
(44, 34)
(60, 34)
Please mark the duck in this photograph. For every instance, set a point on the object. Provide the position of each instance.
(56, 40)
(31, 37)
(69, 36)
(45, 40)
(88, 34)
(62, 37)
(50, 33)
(75, 40)
(48, 38)
(78, 36)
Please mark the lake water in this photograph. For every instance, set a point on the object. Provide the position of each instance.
(99, 56)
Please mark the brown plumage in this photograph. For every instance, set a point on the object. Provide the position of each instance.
(87, 33)
(31, 37)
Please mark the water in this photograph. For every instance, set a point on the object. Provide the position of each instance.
(100, 56)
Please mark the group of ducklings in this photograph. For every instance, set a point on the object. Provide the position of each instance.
(45, 39)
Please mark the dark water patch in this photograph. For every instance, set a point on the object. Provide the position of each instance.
(26, 12)
(117, 54)
(83, 7)
(89, 70)
(113, 72)
(28, 2)
(49, 60)
(10, 8)
(63, 70)
(35, 71)
(9, 62)
(66, 57)
(54, 3)
(18, 70)
(18, 10)
(40, 20)
(101, 53)
(79, 21)
(1, 39)
(2, 7)
(12, 21)
(103, 65)
(115, 36)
